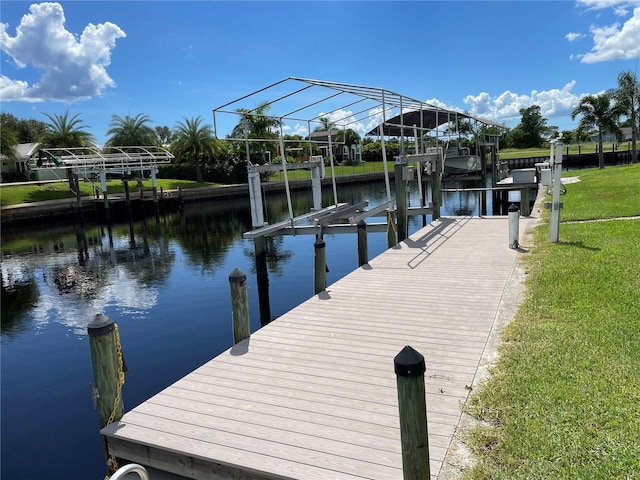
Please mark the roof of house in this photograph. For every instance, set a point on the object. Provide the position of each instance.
(25, 150)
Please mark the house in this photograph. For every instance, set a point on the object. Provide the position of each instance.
(18, 169)
(341, 152)
(611, 137)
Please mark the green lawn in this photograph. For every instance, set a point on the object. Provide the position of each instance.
(15, 194)
(563, 401)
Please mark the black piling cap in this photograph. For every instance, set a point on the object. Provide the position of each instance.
(237, 276)
(409, 363)
(362, 224)
(100, 325)
(513, 208)
(319, 243)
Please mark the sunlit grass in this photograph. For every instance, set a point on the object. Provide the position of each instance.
(563, 401)
(16, 194)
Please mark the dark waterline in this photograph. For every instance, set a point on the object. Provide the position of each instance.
(167, 288)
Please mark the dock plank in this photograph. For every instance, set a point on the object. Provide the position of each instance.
(313, 394)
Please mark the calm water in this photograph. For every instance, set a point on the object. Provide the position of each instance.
(166, 287)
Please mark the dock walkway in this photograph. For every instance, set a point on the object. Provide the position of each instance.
(313, 394)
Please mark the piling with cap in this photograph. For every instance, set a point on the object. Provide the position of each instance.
(239, 305)
(409, 368)
(108, 368)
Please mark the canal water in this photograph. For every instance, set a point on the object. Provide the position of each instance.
(166, 285)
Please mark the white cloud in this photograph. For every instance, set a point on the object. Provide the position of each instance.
(506, 106)
(572, 37)
(72, 67)
(345, 119)
(612, 42)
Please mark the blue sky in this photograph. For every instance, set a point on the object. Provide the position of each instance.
(171, 60)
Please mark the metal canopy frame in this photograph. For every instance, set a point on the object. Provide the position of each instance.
(303, 100)
(92, 159)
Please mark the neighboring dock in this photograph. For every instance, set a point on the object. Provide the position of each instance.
(313, 394)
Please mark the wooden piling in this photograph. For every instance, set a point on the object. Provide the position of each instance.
(262, 274)
(401, 202)
(320, 271)
(363, 252)
(410, 367)
(108, 371)
(239, 305)
(392, 237)
(525, 205)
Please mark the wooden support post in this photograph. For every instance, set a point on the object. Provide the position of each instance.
(410, 367)
(525, 205)
(262, 274)
(436, 189)
(401, 201)
(108, 368)
(239, 305)
(392, 238)
(320, 271)
(363, 253)
(108, 371)
(103, 184)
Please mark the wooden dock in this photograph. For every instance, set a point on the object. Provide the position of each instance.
(313, 394)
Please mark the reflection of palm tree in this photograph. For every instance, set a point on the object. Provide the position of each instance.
(194, 142)
(276, 257)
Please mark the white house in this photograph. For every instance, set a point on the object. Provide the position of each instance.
(611, 137)
(18, 169)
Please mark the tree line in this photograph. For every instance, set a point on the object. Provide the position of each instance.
(202, 157)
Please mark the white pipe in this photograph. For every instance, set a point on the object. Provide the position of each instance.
(333, 173)
(554, 225)
(384, 163)
(286, 179)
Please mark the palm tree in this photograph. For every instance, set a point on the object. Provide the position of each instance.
(63, 131)
(627, 98)
(8, 142)
(131, 131)
(193, 142)
(164, 134)
(257, 124)
(326, 125)
(597, 112)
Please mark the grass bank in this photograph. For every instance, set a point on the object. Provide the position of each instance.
(15, 194)
(563, 401)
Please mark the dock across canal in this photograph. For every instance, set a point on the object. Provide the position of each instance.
(313, 394)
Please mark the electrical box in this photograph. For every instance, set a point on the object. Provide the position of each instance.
(545, 177)
(407, 173)
(524, 175)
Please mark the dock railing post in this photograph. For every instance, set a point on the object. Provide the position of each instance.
(410, 367)
(363, 253)
(320, 270)
(239, 305)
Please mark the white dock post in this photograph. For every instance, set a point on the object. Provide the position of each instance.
(554, 225)
(255, 198)
(316, 187)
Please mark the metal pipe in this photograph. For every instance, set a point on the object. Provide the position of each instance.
(131, 468)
